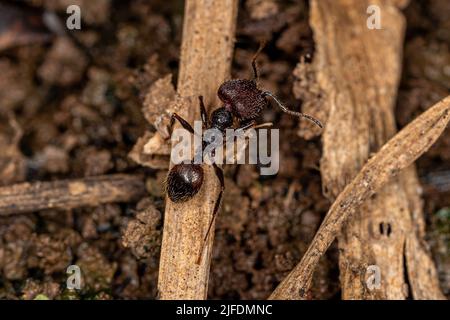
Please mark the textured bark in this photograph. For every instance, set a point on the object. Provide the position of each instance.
(206, 54)
(357, 71)
(380, 170)
(69, 194)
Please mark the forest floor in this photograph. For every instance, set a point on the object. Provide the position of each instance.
(75, 105)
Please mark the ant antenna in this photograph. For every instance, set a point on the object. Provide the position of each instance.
(262, 44)
(298, 114)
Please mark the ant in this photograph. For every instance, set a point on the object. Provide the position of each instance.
(243, 100)
(185, 179)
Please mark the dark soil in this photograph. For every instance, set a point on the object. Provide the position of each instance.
(70, 107)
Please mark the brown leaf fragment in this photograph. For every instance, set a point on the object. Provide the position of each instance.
(153, 149)
(158, 104)
(157, 145)
(157, 160)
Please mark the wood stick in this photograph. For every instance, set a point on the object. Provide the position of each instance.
(397, 154)
(206, 54)
(69, 194)
(357, 72)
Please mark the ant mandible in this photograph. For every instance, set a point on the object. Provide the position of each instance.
(243, 100)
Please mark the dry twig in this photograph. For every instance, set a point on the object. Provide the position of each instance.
(208, 37)
(397, 154)
(69, 194)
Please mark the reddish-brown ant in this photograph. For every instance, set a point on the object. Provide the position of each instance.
(185, 179)
(242, 100)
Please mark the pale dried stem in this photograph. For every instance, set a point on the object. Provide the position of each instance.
(206, 54)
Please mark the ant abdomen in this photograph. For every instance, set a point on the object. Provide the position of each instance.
(242, 98)
(184, 181)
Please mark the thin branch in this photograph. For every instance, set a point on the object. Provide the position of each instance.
(356, 94)
(206, 54)
(397, 154)
(69, 194)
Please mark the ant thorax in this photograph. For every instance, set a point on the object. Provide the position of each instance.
(234, 146)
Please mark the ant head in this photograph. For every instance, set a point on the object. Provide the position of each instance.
(242, 98)
(221, 119)
(184, 181)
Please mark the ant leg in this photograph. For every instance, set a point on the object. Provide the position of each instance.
(298, 114)
(262, 44)
(243, 133)
(183, 122)
(262, 125)
(252, 125)
(219, 174)
(203, 112)
(246, 126)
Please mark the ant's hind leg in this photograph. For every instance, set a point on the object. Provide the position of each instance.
(203, 112)
(183, 122)
(219, 174)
